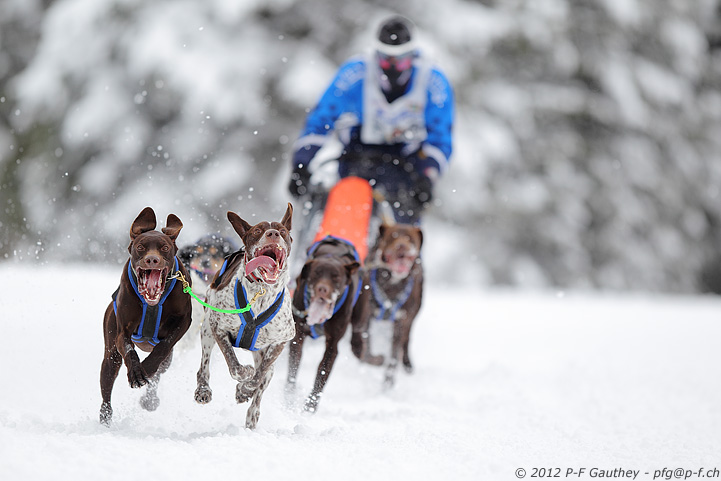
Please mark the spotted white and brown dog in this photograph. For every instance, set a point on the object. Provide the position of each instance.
(252, 280)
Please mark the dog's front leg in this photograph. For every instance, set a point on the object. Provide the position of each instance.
(150, 400)
(326, 364)
(137, 377)
(360, 320)
(203, 393)
(396, 346)
(164, 348)
(237, 371)
(294, 355)
(264, 368)
(157, 357)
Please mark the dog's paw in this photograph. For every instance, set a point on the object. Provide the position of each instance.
(149, 401)
(311, 403)
(203, 395)
(106, 414)
(251, 418)
(408, 367)
(244, 391)
(137, 377)
(242, 373)
(374, 360)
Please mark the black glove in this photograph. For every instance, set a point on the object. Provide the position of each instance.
(422, 191)
(299, 181)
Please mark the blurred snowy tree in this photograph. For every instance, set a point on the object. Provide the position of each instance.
(586, 148)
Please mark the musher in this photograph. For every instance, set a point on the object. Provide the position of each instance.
(393, 112)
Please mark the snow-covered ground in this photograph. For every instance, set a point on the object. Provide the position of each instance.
(503, 380)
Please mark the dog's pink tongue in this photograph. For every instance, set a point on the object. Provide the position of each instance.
(402, 266)
(319, 311)
(154, 284)
(260, 261)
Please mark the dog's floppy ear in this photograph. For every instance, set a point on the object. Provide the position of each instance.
(304, 273)
(352, 268)
(420, 236)
(143, 223)
(173, 226)
(382, 230)
(240, 226)
(288, 217)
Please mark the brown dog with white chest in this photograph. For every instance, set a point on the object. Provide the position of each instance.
(394, 274)
(149, 311)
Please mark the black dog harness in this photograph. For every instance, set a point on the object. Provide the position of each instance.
(147, 331)
(250, 324)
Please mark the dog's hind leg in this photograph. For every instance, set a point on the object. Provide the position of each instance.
(264, 368)
(110, 367)
(108, 373)
(149, 400)
(203, 393)
(396, 351)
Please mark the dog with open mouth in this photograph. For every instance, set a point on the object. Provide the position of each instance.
(252, 285)
(328, 296)
(149, 311)
(394, 274)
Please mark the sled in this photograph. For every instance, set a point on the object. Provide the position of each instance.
(347, 213)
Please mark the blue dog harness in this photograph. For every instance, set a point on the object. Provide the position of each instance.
(386, 305)
(147, 331)
(250, 324)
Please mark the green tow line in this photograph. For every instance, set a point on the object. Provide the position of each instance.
(186, 288)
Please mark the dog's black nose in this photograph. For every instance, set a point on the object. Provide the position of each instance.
(272, 234)
(152, 261)
(322, 290)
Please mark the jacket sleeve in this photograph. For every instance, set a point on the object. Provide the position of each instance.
(338, 99)
(436, 151)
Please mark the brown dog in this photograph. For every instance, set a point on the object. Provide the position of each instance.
(149, 310)
(395, 278)
(324, 302)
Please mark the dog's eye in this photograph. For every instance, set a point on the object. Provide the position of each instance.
(140, 247)
(257, 231)
(165, 248)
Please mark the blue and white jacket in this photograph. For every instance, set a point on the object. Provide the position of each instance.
(415, 126)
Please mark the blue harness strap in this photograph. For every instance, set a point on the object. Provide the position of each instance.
(147, 332)
(386, 305)
(250, 324)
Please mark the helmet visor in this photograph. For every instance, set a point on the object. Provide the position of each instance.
(399, 63)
